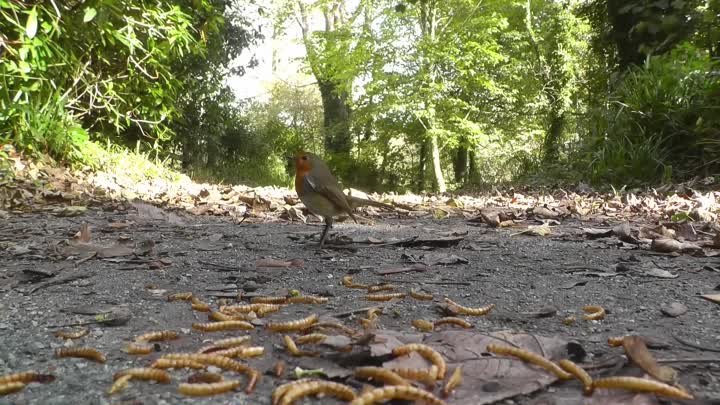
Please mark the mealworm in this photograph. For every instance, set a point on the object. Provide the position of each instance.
(199, 306)
(427, 352)
(463, 310)
(241, 352)
(381, 287)
(27, 377)
(223, 363)
(423, 325)
(268, 300)
(72, 335)
(293, 326)
(530, 357)
(211, 359)
(9, 388)
(384, 297)
(222, 326)
(642, 385)
(279, 368)
(120, 384)
(384, 375)
(307, 299)
(206, 389)
(177, 363)
(81, 352)
(425, 376)
(334, 325)
(298, 391)
(347, 281)
(145, 373)
(454, 382)
(259, 309)
(616, 341)
(181, 296)
(204, 378)
(405, 392)
(420, 295)
(293, 349)
(579, 373)
(137, 348)
(221, 316)
(225, 344)
(594, 312)
(312, 338)
(451, 320)
(283, 389)
(157, 336)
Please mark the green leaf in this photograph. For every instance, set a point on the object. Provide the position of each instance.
(90, 13)
(32, 23)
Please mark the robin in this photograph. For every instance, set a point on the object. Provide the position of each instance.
(319, 190)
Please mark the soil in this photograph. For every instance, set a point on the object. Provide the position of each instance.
(535, 283)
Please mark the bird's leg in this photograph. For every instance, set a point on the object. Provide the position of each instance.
(328, 225)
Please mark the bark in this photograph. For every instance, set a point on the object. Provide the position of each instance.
(460, 164)
(551, 143)
(437, 164)
(336, 119)
(422, 163)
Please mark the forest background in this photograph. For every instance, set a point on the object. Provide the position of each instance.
(422, 95)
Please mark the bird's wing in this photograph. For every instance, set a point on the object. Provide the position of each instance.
(332, 193)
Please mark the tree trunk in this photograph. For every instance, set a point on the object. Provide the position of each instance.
(422, 162)
(336, 119)
(474, 174)
(552, 138)
(437, 164)
(460, 164)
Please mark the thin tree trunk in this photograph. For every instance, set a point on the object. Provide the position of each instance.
(437, 164)
(460, 164)
(551, 144)
(422, 163)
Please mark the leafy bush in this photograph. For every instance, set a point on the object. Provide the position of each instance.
(660, 123)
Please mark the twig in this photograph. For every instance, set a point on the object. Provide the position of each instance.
(695, 345)
(62, 280)
(222, 267)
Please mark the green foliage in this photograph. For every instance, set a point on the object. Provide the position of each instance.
(661, 121)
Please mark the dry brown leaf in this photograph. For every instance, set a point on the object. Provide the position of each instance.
(485, 379)
(638, 352)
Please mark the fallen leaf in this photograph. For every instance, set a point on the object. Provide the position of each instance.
(535, 230)
(712, 297)
(597, 232)
(486, 379)
(83, 235)
(637, 351)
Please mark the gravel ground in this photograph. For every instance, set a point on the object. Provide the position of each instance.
(521, 275)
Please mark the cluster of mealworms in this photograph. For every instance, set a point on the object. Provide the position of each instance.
(380, 292)
(566, 370)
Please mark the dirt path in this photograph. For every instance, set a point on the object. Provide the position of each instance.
(525, 277)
